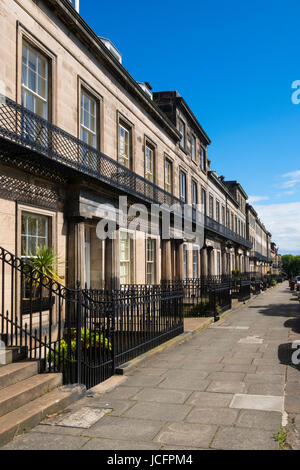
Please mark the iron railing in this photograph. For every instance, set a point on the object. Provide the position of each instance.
(260, 256)
(84, 334)
(36, 135)
(226, 232)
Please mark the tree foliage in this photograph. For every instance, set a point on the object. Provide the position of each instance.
(291, 265)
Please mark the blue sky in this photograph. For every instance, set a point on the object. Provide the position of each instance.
(234, 63)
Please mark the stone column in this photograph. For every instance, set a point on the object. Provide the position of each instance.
(166, 260)
(204, 262)
(179, 261)
(211, 262)
(76, 252)
(224, 263)
(112, 262)
(237, 261)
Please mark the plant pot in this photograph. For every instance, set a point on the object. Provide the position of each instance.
(36, 305)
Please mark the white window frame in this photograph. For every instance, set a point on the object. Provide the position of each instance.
(182, 186)
(124, 159)
(26, 90)
(151, 263)
(195, 263)
(126, 263)
(168, 181)
(218, 211)
(204, 201)
(91, 132)
(38, 238)
(193, 148)
(185, 261)
(149, 163)
(182, 129)
(211, 206)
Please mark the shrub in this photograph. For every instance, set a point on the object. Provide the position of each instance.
(88, 338)
(200, 310)
(273, 283)
(236, 274)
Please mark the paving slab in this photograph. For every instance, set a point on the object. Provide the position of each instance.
(179, 384)
(82, 418)
(113, 444)
(257, 402)
(124, 393)
(158, 411)
(226, 376)
(227, 387)
(265, 389)
(186, 434)
(210, 400)
(267, 378)
(237, 438)
(239, 360)
(147, 371)
(224, 416)
(35, 441)
(251, 340)
(194, 364)
(162, 395)
(292, 404)
(268, 420)
(118, 407)
(245, 368)
(137, 430)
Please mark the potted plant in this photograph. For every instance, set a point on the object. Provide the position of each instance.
(64, 356)
(236, 274)
(40, 272)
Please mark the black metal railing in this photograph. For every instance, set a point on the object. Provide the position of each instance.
(26, 129)
(84, 334)
(206, 296)
(260, 257)
(226, 232)
(144, 316)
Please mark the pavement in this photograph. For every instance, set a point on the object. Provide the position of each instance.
(231, 386)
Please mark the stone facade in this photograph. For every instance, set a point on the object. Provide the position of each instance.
(163, 127)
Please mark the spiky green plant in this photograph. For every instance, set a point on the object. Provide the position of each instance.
(45, 262)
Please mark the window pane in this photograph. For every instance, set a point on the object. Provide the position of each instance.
(124, 156)
(149, 164)
(34, 233)
(182, 132)
(23, 246)
(125, 261)
(183, 186)
(34, 81)
(88, 119)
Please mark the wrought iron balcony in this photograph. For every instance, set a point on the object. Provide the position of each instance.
(260, 257)
(33, 135)
(220, 229)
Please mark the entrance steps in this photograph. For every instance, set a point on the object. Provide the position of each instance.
(26, 397)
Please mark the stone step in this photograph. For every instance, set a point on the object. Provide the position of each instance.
(12, 354)
(16, 372)
(19, 394)
(31, 414)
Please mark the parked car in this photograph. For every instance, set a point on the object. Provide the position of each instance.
(297, 281)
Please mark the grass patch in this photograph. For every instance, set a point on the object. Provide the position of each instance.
(281, 438)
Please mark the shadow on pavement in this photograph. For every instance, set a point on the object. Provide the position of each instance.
(291, 311)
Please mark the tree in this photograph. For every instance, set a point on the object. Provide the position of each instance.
(291, 265)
